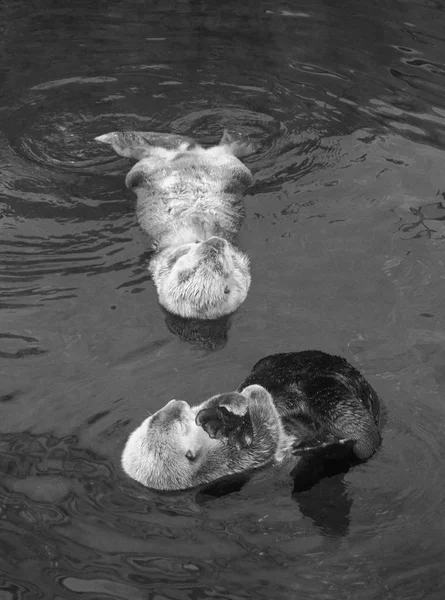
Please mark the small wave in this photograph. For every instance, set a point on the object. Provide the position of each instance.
(54, 124)
(60, 82)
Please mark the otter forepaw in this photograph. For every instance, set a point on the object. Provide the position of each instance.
(221, 423)
(212, 423)
(236, 406)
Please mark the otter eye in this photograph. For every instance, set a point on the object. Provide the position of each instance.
(227, 290)
(196, 241)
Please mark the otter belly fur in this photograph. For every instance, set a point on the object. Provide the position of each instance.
(290, 405)
(189, 201)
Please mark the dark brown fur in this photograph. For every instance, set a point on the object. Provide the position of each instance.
(321, 399)
(325, 391)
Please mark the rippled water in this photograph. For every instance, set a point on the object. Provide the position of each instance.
(345, 228)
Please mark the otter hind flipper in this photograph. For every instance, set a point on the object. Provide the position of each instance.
(237, 143)
(144, 144)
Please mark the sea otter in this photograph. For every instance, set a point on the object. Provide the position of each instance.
(290, 405)
(189, 201)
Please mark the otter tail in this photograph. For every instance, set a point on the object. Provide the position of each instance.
(146, 144)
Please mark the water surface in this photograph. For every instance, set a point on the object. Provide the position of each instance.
(345, 228)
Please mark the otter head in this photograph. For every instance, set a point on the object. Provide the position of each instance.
(204, 280)
(168, 449)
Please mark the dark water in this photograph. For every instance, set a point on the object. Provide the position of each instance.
(346, 231)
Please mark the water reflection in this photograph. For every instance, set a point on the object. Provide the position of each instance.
(206, 334)
(318, 488)
(321, 493)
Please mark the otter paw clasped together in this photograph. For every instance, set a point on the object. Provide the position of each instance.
(189, 202)
(290, 405)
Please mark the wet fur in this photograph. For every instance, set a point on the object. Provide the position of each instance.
(323, 398)
(189, 200)
(300, 403)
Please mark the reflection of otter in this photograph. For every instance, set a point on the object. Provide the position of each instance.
(208, 334)
(189, 201)
(303, 403)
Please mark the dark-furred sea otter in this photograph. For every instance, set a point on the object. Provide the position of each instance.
(290, 405)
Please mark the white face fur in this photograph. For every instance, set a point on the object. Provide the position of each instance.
(204, 280)
(167, 449)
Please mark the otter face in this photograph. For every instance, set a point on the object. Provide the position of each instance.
(204, 280)
(167, 449)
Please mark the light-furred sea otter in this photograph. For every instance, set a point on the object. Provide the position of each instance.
(290, 405)
(189, 201)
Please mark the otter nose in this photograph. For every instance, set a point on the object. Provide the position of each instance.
(215, 242)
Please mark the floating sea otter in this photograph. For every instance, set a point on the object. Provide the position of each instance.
(189, 201)
(291, 404)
